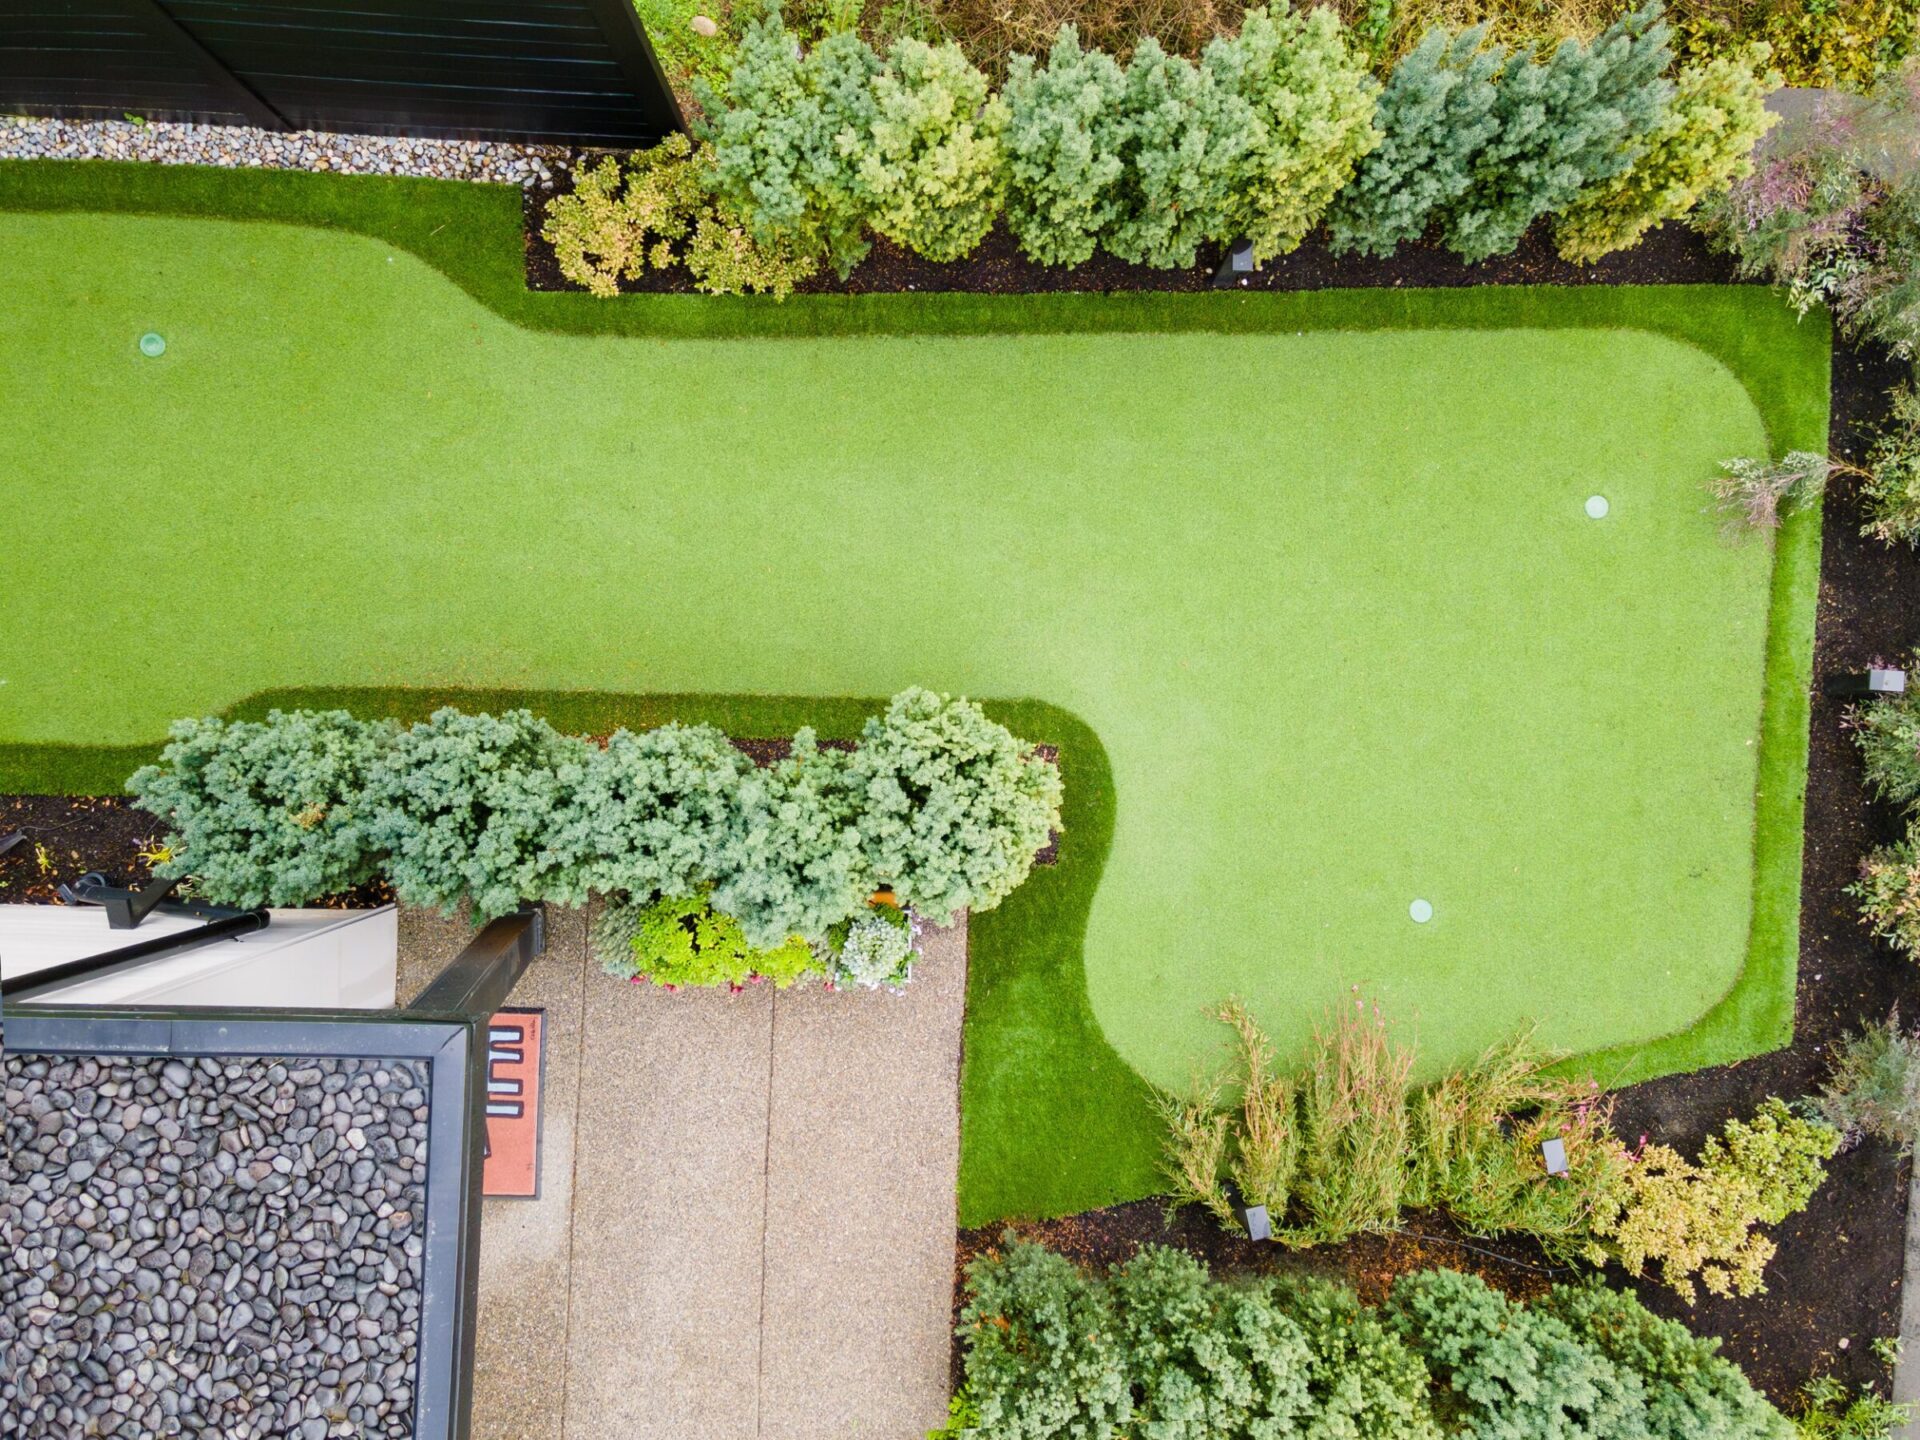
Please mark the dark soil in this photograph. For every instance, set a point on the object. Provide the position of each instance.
(1834, 1286)
(68, 836)
(1671, 254)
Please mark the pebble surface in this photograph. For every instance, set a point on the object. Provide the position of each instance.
(198, 1247)
(527, 166)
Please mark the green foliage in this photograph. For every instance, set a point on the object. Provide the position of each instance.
(1890, 490)
(1365, 1383)
(1691, 1393)
(1830, 1411)
(1266, 1149)
(1874, 1086)
(464, 804)
(1781, 1154)
(613, 226)
(269, 812)
(1066, 126)
(1844, 43)
(785, 134)
(1434, 116)
(1476, 1149)
(952, 807)
(725, 258)
(1506, 1372)
(1703, 144)
(1888, 734)
(1565, 123)
(1207, 1361)
(1304, 103)
(1198, 1139)
(681, 940)
(1889, 893)
(873, 951)
(646, 815)
(931, 162)
(1184, 145)
(1044, 1357)
(791, 862)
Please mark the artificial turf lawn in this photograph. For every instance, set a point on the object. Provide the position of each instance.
(1335, 611)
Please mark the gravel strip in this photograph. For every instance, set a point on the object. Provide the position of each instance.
(224, 1247)
(229, 146)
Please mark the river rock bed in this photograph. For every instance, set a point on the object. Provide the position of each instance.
(225, 1246)
(22, 138)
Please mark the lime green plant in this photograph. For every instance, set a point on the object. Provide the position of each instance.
(930, 163)
(683, 940)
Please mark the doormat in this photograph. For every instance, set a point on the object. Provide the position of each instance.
(516, 1063)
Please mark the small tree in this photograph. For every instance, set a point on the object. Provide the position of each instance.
(1435, 115)
(930, 164)
(1065, 133)
(1306, 105)
(1184, 146)
(1718, 114)
(785, 134)
(1565, 123)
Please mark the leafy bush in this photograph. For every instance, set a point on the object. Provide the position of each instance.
(1830, 1411)
(1199, 1141)
(1832, 211)
(1305, 103)
(1506, 1372)
(464, 806)
(1043, 1352)
(931, 162)
(1564, 123)
(1183, 148)
(1890, 490)
(1218, 1361)
(681, 940)
(1434, 115)
(1697, 1220)
(1845, 43)
(873, 951)
(790, 863)
(1266, 1148)
(950, 807)
(1364, 1381)
(1690, 1392)
(1065, 131)
(1756, 494)
(266, 812)
(1476, 1149)
(614, 225)
(1889, 894)
(1874, 1086)
(784, 137)
(994, 33)
(1888, 734)
(1703, 144)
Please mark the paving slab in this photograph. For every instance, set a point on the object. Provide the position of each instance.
(669, 1211)
(862, 1159)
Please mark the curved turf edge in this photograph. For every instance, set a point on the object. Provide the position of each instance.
(1052, 1120)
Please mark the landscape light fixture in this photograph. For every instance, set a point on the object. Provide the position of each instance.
(1597, 507)
(1553, 1154)
(153, 345)
(1420, 911)
(1237, 268)
(1259, 1227)
(1876, 681)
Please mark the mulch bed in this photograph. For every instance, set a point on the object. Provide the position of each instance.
(1671, 254)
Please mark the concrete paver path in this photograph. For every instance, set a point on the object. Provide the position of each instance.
(746, 1222)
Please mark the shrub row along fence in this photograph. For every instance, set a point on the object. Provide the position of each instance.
(527, 70)
(715, 870)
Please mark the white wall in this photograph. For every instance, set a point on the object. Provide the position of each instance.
(305, 959)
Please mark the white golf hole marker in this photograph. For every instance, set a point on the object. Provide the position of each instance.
(153, 345)
(1420, 912)
(1597, 507)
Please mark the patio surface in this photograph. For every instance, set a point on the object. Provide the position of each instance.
(746, 1219)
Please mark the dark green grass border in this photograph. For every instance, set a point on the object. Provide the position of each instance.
(1053, 1121)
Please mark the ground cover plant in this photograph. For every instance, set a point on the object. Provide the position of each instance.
(1158, 1347)
(651, 505)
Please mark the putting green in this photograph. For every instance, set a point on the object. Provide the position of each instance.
(1331, 600)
